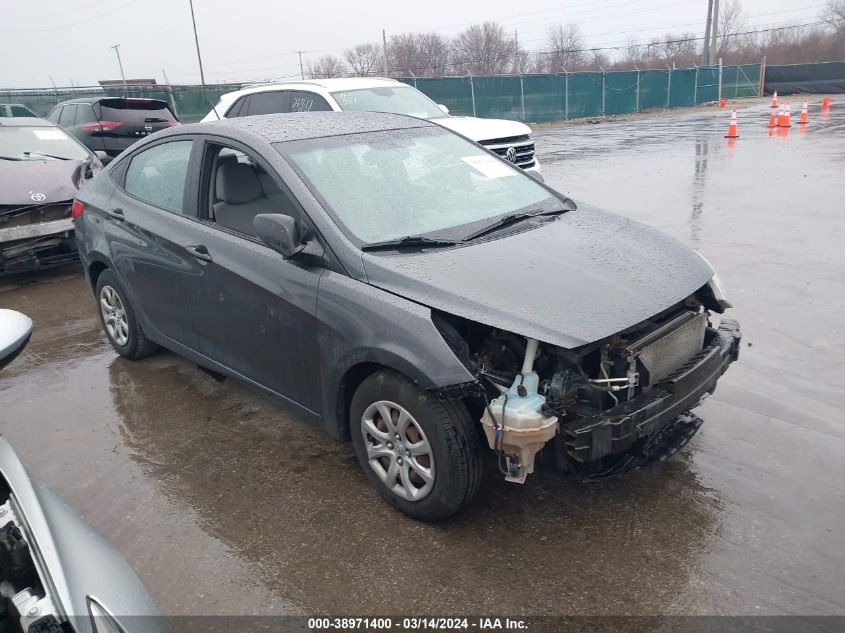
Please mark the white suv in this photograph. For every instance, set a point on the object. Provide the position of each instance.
(509, 139)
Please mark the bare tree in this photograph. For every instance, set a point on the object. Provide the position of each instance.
(326, 67)
(418, 54)
(483, 49)
(680, 50)
(565, 48)
(732, 23)
(364, 60)
(598, 61)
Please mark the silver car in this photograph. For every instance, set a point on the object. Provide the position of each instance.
(57, 573)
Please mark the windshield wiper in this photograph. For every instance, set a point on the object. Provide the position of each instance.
(11, 158)
(509, 219)
(409, 241)
(43, 154)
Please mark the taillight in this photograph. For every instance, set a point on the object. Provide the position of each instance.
(101, 126)
(76, 209)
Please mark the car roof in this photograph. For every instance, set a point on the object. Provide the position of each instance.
(332, 85)
(25, 121)
(295, 126)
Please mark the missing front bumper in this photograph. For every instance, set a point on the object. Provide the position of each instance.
(626, 433)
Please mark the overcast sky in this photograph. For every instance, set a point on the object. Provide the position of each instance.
(257, 39)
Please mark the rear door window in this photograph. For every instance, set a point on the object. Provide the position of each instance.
(307, 102)
(135, 111)
(268, 102)
(158, 175)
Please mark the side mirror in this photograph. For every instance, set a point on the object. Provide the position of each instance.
(15, 330)
(279, 232)
(443, 107)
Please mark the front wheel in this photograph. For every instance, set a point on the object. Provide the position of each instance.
(420, 453)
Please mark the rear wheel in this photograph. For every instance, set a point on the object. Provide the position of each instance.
(420, 453)
(117, 316)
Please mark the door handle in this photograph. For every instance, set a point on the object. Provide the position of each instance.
(117, 214)
(200, 252)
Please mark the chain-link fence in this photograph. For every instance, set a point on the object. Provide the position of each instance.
(189, 103)
(521, 97)
(539, 98)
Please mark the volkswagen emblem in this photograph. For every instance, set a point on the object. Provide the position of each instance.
(148, 127)
(37, 197)
(511, 154)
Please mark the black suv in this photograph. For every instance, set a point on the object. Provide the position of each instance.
(111, 124)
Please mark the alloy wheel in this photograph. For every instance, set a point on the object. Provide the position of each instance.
(114, 315)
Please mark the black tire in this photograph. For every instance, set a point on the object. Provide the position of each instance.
(137, 344)
(447, 429)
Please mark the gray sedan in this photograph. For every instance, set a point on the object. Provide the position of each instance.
(402, 287)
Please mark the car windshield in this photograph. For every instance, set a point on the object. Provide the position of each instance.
(39, 143)
(399, 100)
(386, 185)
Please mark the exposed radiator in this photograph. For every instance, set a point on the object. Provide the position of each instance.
(671, 345)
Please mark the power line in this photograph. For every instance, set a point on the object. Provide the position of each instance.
(64, 26)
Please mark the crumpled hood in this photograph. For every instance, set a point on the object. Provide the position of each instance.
(483, 129)
(58, 180)
(572, 281)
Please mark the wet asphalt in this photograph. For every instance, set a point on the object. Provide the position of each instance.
(225, 504)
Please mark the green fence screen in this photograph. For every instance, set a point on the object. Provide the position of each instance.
(538, 98)
(189, 103)
(533, 98)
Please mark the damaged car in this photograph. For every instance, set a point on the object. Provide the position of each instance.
(41, 169)
(56, 574)
(402, 287)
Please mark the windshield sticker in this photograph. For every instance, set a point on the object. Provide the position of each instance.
(50, 135)
(489, 166)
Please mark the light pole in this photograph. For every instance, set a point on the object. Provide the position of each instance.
(116, 48)
(301, 72)
(197, 42)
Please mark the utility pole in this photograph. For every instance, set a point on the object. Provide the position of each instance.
(197, 42)
(705, 55)
(116, 48)
(714, 30)
(384, 50)
(301, 72)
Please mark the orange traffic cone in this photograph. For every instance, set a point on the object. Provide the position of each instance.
(723, 103)
(772, 120)
(783, 121)
(775, 99)
(826, 103)
(732, 133)
(803, 118)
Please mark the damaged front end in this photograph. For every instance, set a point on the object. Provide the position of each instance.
(611, 406)
(36, 236)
